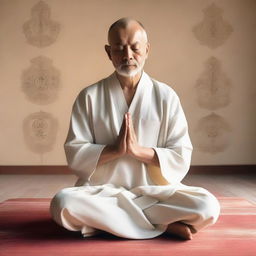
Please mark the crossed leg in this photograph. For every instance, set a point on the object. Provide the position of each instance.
(184, 213)
(187, 211)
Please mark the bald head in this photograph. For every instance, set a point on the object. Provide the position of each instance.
(124, 23)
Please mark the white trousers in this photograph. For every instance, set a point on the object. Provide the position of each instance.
(134, 214)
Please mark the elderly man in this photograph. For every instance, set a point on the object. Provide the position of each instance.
(128, 143)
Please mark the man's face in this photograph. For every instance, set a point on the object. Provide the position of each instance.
(128, 49)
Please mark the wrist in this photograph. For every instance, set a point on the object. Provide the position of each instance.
(108, 154)
(115, 151)
(137, 152)
(146, 155)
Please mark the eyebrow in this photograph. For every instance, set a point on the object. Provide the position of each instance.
(137, 42)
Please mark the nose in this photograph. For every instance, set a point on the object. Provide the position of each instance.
(127, 54)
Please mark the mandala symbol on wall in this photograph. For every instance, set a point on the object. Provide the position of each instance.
(213, 133)
(213, 87)
(213, 31)
(41, 81)
(40, 30)
(40, 131)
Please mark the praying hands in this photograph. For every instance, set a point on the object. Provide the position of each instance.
(127, 144)
(127, 141)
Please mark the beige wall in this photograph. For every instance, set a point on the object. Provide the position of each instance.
(184, 35)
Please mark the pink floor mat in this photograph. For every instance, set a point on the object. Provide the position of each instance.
(27, 229)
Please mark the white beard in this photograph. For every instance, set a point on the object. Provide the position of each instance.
(130, 73)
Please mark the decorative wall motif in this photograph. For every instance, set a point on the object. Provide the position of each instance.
(40, 131)
(41, 81)
(213, 87)
(213, 30)
(213, 131)
(40, 30)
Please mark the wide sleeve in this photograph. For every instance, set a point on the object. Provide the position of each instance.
(81, 152)
(175, 156)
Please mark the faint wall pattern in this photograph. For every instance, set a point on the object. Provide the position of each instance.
(40, 131)
(212, 131)
(213, 30)
(41, 81)
(213, 87)
(40, 30)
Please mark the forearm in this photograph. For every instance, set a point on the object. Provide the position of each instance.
(108, 154)
(143, 154)
(147, 156)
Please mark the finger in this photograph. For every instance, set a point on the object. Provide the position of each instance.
(128, 118)
(131, 129)
(122, 129)
(130, 121)
(121, 141)
(127, 124)
(130, 136)
(124, 120)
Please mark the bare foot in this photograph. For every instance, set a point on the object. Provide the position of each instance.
(180, 230)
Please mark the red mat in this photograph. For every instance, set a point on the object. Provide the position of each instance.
(27, 229)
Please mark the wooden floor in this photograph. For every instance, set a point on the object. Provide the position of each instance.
(17, 186)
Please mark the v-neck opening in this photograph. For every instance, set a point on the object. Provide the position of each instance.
(140, 103)
(128, 105)
(129, 108)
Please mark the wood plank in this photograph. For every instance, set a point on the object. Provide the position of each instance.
(64, 169)
(13, 186)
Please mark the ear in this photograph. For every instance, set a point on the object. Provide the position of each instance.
(107, 49)
(147, 49)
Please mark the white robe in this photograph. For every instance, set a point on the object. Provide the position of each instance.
(125, 196)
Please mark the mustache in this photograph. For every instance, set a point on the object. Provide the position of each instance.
(128, 63)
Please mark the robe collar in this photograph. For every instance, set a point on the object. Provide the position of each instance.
(140, 99)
